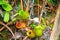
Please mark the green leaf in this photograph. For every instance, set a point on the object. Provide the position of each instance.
(50, 1)
(6, 16)
(41, 26)
(32, 25)
(2, 2)
(23, 14)
(54, 2)
(7, 7)
(38, 32)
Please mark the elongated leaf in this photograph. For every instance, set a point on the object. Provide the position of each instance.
(6, 17)
(7, 7)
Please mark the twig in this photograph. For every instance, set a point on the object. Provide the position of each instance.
(4, 27)
(25, 38)
(22, 4)
(7, 28)
(38, 10)
(1, 29)
(27, 8)
(15, 1)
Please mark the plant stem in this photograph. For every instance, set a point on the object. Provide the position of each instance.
(7, 28)
(25, 38)
(1, 29)
(4, 27)
(22, 4)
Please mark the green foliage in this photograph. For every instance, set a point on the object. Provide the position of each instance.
(2, 2)
(50, 1)
(6, 16)
(23, 15)
(32, 25)
(7, 7)
(53, 2)
(39, 29)
(38, 32)
(41, 26)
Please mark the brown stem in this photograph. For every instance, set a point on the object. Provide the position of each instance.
(6, 24)
(25, 38)
(22, 4)
(7, 28)
(15, 1)
(1, 29)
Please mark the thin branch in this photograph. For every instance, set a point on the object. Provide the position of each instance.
(38, 8)
(7, 28)
(6, 24)
(1, 29)
(22, 4)
(25, 38)
(15, 1)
